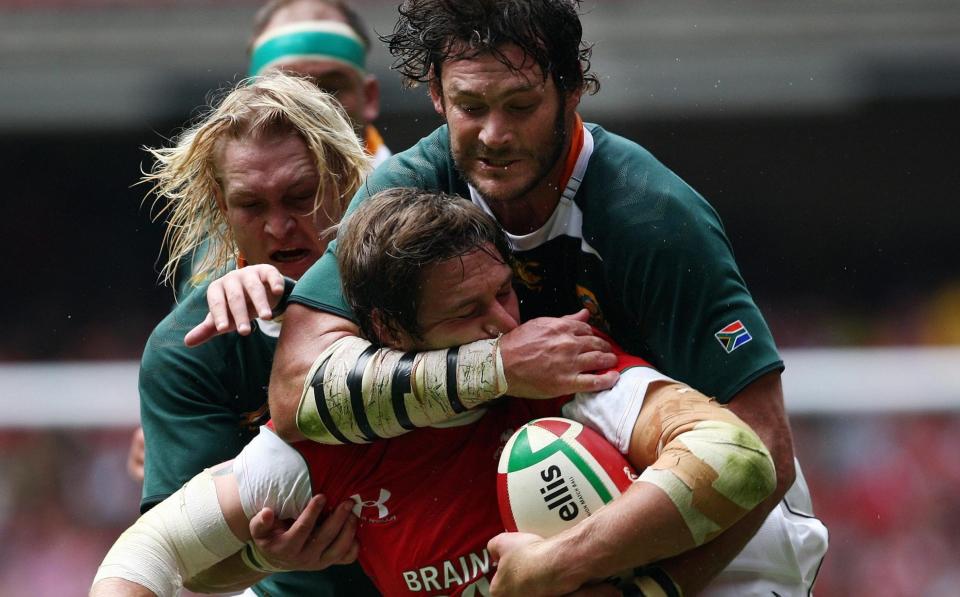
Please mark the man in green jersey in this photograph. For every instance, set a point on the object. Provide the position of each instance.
(598, 224)
(259, 179)
(328, 42)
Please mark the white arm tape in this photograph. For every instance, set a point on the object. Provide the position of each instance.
(357, 393)
(178, 538)
(613, 413)
(272, 474)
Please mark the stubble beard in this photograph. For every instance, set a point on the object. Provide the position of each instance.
(544, 165)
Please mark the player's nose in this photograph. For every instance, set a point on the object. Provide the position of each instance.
(496, 131)
(499, 320)
(279, 223)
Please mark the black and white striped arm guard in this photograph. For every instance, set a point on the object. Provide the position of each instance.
(357, 393)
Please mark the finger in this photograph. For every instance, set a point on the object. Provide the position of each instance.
(593, 343)
(577, 327)
(303, 526)
(217, 305)
(263, 524)
(590, 382)
(591, 362)
(257, 295)
(274, 279)
(581, 315)
(338, 550)
(353, 553)
(237, 303)
(493, 546)
(204, 331)
(327, 533)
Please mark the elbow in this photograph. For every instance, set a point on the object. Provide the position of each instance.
(751, 474)
(286, 428)
(284, 399)
(786, 471)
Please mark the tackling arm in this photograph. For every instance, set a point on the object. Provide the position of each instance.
(760, 405)
(200, 525)
(332, 387)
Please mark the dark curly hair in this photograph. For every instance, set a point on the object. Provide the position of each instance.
(431, 32)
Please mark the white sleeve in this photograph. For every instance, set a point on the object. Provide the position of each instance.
(272, 474)
(613, 413)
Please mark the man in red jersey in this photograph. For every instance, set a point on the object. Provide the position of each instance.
(427, 500)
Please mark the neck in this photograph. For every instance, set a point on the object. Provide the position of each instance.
(530, 212)
(525, 214)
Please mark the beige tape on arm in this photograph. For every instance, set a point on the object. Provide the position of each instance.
(710, 463)
(357, 393)
(178, 538)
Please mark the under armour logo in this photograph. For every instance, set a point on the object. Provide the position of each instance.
(378, 504)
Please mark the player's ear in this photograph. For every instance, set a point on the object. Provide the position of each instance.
(219, 196)
(371, 102)
(436, 95)
(571, 100)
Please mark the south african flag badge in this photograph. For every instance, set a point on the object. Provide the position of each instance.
(733, 336)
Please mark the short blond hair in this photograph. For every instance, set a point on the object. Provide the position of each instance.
(184, 177)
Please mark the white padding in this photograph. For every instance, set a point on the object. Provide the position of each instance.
(178, 538)
(613, 413)
(271, 474)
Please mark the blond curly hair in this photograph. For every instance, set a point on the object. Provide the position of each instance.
(184, 178)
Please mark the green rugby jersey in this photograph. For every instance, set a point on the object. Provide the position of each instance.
(631, 242)
(200, 406)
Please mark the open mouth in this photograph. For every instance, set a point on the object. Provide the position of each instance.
(496, 163)
(289, 255)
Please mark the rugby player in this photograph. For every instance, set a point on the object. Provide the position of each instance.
(427, 500)
(257, 179)
(328, 42)
(596, 222)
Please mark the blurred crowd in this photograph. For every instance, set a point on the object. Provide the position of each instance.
(886, 487)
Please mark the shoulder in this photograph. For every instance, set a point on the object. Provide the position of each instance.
(627, 191)
(428, 165)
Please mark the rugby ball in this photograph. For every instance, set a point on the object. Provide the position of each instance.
(555, 472)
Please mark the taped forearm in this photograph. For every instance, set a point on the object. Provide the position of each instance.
(229, 576)
(177, 539)
(357, 393)
(712, 466)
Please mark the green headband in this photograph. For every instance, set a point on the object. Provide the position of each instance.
(328, 40)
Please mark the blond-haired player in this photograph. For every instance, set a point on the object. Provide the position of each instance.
(257, 179)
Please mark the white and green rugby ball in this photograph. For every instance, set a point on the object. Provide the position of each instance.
(555, 472)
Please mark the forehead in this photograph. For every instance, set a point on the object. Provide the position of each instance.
(267, 158)
(474, 276)
(479, 72)
(305, 10)
(331, 72)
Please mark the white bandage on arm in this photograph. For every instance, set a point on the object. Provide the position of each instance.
(271, 474)
(711, 464)
(357, 393)
(178, 538)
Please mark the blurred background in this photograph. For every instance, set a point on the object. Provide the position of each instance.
(826, 134)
